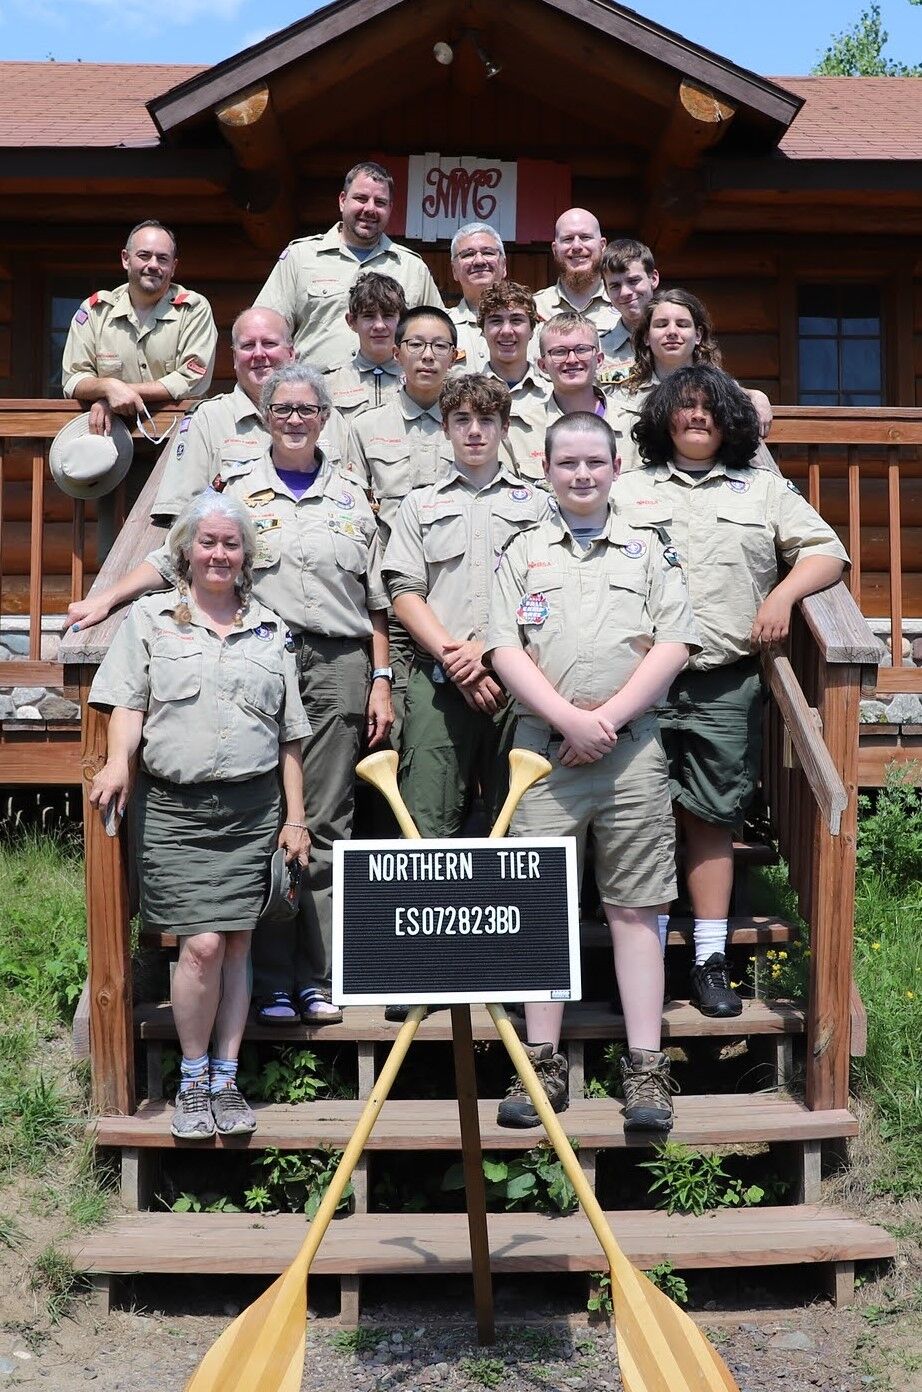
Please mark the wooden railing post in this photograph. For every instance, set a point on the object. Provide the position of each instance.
(833, 899)
(109, 947)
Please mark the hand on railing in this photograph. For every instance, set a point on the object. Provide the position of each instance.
(85, 613)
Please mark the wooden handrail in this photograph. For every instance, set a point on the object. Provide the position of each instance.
(846, 425)
(32, 418)
(840, 629)
(804, 727)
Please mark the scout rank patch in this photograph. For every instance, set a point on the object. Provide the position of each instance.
(521, 495)
(262, 631)
(533, 609)
(345, 500)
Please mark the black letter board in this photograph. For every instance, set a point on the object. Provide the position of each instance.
(428, 922)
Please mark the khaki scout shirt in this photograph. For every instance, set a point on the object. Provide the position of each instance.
(555, 411)
(362, 384)
(728, 526)
(523, 447)
(588, 618)
(473, 353)
(175, 345)
(215, 708)
(310, 283)
(396, 447)
(619, 355)
(599, 311)
(219, 431)
(318, 563)
(447, 541)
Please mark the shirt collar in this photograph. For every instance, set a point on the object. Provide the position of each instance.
(244, 409)
(124, 309)
(363, 364)
(332, 241)
(411, 410)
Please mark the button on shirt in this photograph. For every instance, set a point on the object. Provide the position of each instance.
(225, 430)
(523, 447)
(174, 345)
(473, 353)
(362, 384)
(317, 561)
(447, 541)
(310, 282)
(588, 618)
(215, 708)
(729, 527)
(396, 447)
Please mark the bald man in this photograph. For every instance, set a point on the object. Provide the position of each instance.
(577, 250)
(231, 426)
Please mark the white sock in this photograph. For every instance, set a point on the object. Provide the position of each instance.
(710, 937)
(662, 926)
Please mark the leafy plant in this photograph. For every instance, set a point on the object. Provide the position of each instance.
(600, 1301)
(489, 1372)
(358, 1341)
(43, 952)
(607, 1082)
(293, 1075)
(195, 1203)
(663, 1276)
(294, 1181)
(688, 1181)
(534, 1180)
(890, 829)
(43, 1121)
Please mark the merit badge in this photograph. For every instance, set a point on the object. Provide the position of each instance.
(289, 640)
(793, 486)
(635, 549)
(262, 631)
(738, 485)
(521, 495)
(671, 556)
(533, 609)
(346, 500)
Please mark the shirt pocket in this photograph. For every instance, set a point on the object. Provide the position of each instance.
(508, 518)
(263, 684)
(744, 544)
(351, 552)
(175, 671)
(444, 538)
(627, 601)
(268, 543)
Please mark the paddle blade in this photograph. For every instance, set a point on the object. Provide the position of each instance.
(380, 770)
(660, 1349)
(263, 1349)
(525, 768)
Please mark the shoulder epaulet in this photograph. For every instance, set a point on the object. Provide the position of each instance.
(181, 298)
(94, 299)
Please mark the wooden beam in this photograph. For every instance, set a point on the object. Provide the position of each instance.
(250, 126)
(698, 121)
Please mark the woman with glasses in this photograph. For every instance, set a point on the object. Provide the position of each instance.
(317, 565)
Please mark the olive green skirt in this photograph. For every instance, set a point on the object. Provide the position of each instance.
(203, 853)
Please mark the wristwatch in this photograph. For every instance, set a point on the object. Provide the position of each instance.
(386, 672)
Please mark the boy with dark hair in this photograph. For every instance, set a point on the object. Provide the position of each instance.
(376, 306)
(508, 317)
(630, 277)
(439, 566)
(729, 523)
(589, 624)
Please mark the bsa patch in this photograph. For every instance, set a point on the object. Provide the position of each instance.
(346, 500)
(81, 316)
(289, 640)
(521, 495)
(793, 486)
(262, 631)
(671, 556)
(533, 609)
(738, 485)
(635, 549)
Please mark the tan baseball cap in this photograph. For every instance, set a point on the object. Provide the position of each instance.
(89, 466)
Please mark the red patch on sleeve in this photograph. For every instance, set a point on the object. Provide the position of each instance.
(94, 299)
(193, 365)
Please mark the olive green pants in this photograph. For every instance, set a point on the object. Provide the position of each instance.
(449, 753)
(334, 677)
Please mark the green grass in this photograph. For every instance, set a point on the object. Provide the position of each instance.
(43, 924)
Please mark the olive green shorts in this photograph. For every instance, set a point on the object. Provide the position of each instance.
(623, 797)
(712, 733)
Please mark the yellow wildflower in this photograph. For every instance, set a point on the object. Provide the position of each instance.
(875, 947)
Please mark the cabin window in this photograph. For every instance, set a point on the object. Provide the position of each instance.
(64, 301)
(839, 349)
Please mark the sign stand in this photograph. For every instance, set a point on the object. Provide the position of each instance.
(462, 1042)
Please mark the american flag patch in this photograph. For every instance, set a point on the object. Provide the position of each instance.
(193, 365)
(81, 316)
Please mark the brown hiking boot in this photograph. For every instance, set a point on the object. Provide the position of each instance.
(647, 1087)
(516, 1108)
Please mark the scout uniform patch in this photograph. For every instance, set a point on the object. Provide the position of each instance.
(521, 495)
(262, 631)
(635, 549)
(738, 485)
(533, 609)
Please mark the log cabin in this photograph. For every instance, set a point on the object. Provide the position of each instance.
(790, 205)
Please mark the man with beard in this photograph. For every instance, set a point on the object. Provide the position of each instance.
(577, 249)
(478, 260)
(146, 343)
(310, 282)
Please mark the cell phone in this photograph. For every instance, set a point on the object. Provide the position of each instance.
(113, 818)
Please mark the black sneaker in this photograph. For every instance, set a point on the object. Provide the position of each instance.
(516, 1108)
(647, 1086)
(710, 988)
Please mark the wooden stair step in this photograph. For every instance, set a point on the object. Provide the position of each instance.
(438, 1243)
(582, 1020)
(758, 930)
(427, 1124)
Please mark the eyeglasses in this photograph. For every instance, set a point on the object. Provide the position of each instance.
(492, 254)
(283, 410)
(581, 351)
(441, 347)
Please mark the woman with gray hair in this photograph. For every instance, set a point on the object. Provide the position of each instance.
(318, 565)
(202, 681)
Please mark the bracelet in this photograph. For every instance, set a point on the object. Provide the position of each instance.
(301, 826)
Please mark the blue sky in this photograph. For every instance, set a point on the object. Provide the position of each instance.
(785, 36)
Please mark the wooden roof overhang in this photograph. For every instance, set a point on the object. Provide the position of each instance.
(631, 107)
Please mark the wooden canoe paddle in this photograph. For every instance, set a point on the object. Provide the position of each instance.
(660, 1349)
(263, 1350)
